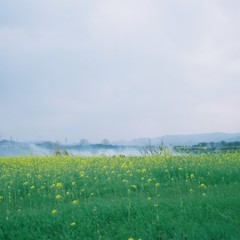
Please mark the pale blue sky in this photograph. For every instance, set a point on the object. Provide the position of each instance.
(118, 69)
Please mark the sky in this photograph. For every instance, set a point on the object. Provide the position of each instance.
(119, 70)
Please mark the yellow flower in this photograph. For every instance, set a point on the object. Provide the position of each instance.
(72, 223)
(58, 197)
(75, 202)
(32, 187)
(54, 211)
(81, 174)
(203, 185)
(73, 183)
(133, 186)
(59, 185)
(130, 238)
(190, 190)
(149, 180)
(192, 176)
(157, 185)
(149, 198)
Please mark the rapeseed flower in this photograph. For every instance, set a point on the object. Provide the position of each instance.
(203, 185)
(59, 185)
(54, 211)
(192, 176)
(75, 202)
(58, 197)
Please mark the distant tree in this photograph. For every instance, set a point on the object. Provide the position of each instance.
(105, 141)
(202, 144)
(212, 144)
(57, 152)
(84, 142)
(223, 143)
(60, 152)
(65, 152)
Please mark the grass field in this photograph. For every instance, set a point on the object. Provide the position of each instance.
(125, 198)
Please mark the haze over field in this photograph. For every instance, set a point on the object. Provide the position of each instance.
(118, 69)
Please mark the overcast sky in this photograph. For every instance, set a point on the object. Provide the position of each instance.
(118, 69)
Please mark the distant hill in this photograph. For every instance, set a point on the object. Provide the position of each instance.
(188, 140)
(197, 138)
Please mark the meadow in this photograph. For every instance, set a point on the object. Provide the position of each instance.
(126, 198)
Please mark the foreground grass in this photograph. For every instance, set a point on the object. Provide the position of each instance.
(148, 198)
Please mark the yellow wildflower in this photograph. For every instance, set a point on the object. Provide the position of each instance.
(203, 185)
(54, 211)
(81, 174)
(59, 185)
(58, 197)
(75, 202)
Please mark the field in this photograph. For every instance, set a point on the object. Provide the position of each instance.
(125, 198)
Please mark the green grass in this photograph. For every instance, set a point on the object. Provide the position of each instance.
(148, 198)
